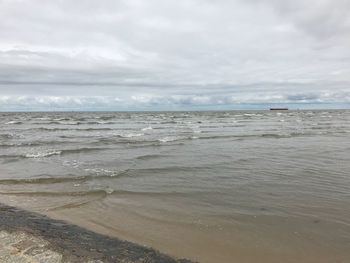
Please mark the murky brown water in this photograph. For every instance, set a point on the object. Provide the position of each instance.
(211, 186)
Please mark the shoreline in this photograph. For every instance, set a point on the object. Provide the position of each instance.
(27, 235)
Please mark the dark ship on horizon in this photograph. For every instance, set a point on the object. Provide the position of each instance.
(279, 108)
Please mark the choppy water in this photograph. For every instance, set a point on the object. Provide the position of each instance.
(254, 186)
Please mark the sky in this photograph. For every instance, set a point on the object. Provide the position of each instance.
(173, 55)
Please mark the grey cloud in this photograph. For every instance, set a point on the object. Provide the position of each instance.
(322, 19)
(186, 52)
(303, 97)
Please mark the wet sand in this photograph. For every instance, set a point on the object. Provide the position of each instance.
(31, 237)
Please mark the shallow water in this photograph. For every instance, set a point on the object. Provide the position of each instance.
(254, 186)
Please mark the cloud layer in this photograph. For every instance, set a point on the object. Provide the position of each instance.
(127, 53)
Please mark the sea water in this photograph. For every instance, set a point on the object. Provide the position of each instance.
(236, 186)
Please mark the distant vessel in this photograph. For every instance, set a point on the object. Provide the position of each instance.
(278, 108)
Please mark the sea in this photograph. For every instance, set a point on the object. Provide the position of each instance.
(213, 187)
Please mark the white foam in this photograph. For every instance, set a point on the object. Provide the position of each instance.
(130, 135)
(42, 154)
(42, 119)
(68, 122)
(170, 139)
(98, 171)
(147, 128)
(104, 122)
(13, 122)
(109, 190)
(176, 138)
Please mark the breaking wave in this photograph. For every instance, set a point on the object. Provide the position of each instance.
(13, 122)
(42, 154)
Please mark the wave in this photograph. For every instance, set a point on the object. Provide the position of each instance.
(124, 140)
(46, 123)
(278, 136)
(147, 128)
(55, 194)
(168, 122)
(169, 139)
(52, 153)
(264, 135)
(68, 122)
(149, 156)
(236, 136)
(22, 144)
(75, 204)
(163, 170)
(130, 135)
(82, 150)
(99, 122)
(8, 136)
(42, 180)
(113, 139)
(42, 119)
(149, 193)
(91, 193)
(175, 138)
(55, 180)
(70, 129)
(11, 156)
(81, 122)
(13, 122)
(93, 129)
(98, 175)
(42, 154)
(105, 118)
(33, 143)
(62, 119)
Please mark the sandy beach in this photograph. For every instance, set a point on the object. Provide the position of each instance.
(30, 237)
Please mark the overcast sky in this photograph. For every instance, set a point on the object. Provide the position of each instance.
(132, 54)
